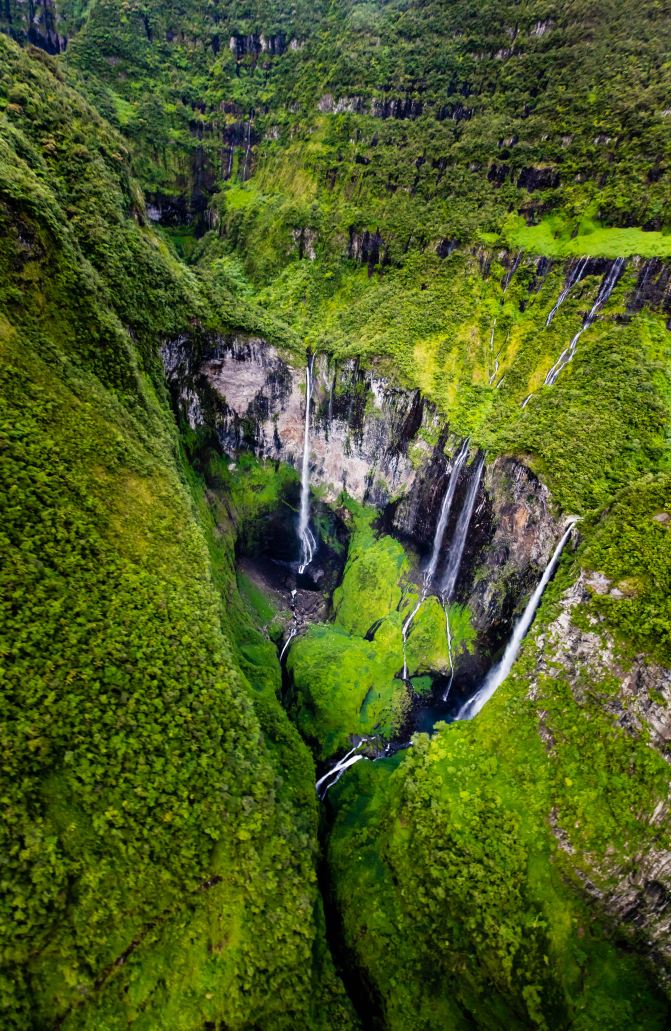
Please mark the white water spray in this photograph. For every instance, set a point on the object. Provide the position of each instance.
(287, 643)
(305, 535)
(500, 671)
(606, 289)
(353, 756)
(572, 280)
(438, 536)
(461, 533)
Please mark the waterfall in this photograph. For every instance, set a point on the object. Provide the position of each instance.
(513, 270)
(248, 149)
(500, 671)
(606, 289)
(573, 278)
(461, 533)
(339, 768)
(448, 634)
(288, 642)
(441, 526)
(445, 514)
(406, 629)
(305, 535)
(491, 354)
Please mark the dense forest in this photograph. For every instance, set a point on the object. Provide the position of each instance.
(335, 648)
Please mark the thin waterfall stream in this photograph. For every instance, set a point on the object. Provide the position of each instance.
(441, 526)
(606, 289)
(306, 537)
(573, 278)
(500, 671)
(608, 284)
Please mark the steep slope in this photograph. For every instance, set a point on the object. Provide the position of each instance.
(381, 107)
(158, 812)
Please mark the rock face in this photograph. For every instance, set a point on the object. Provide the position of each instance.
(36, 22)
(387, 448)
(367, 436)
(637, 893)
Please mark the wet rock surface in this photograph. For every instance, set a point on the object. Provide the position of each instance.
(384, 446)
(638, 894)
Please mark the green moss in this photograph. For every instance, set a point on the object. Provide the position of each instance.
(375, 565)
(554, 238)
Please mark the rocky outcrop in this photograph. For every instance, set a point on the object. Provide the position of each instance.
(367, 248)
(514, 533)
(386, 447)
(653, 288)
(368, 437)
(36, 22)
(637, 893)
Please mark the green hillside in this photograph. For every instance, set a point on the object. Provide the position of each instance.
(406, 188)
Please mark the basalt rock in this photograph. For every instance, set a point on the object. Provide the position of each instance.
(386, 447)
(638, 891)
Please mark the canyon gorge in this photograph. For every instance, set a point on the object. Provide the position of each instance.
(336, 502)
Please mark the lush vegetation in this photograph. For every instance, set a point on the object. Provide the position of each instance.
(158, 813)
(458, 871)
(402, 183)
(348, 674)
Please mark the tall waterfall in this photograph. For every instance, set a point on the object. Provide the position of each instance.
(445, 509)
(500, 671)
(441, 526)
(461, 533)
(305, 535)
(606, 289)
(573, 278)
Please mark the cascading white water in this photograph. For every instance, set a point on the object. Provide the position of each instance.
(572, 280)
(500, 671)
(461, 532)
(441, 526)
(353, 756)
(406, 629)
(513, 270)
(287, 643)
(445, 509)
(606, 289)
(305, 535)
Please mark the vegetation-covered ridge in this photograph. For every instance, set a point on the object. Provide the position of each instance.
(158, 812)
(368, 111)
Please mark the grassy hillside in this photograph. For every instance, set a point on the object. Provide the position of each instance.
(158, 812)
